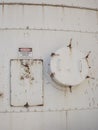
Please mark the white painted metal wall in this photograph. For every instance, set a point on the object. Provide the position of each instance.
(47, 26)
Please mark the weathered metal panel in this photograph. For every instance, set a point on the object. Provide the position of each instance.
(93, 4)
(33, 121)
(23, 17)
(69, 19)
(26, 82)
(46, 28)
(82, 120)
(85, 96)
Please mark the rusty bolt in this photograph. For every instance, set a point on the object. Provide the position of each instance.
(52, 54)
(87, 56)
(52, 75)
(87, 77)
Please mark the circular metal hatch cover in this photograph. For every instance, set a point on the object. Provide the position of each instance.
(68, 66)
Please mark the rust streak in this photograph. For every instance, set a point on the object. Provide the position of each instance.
(1, 94)
(70, 45)
(87, 56)
(70, 87)
(21, 78)
(2, 8)
(52, 75)
(38, 60)
(88, 77)
(40, 105)
(53, 54)
(26, 105)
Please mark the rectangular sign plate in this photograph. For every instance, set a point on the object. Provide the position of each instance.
(25, 52)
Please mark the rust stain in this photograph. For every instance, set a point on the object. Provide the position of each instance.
(54, 54)
(88, 77)
(80, 67)
(26, 65)
(26, 105)
(32, 78)
(70, 87)
(21, 78)
(40, 105)
(11, 105)
(1, 94)
(52, 75)
(38, 60)
(70, 44)
(87, 56)
(2, 8)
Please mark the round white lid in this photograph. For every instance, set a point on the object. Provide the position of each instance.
(68, 66)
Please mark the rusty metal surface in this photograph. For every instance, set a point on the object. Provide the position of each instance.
(45, 28)
(26, 82)
(84, 96)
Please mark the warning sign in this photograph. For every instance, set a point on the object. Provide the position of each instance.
(25, 52)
